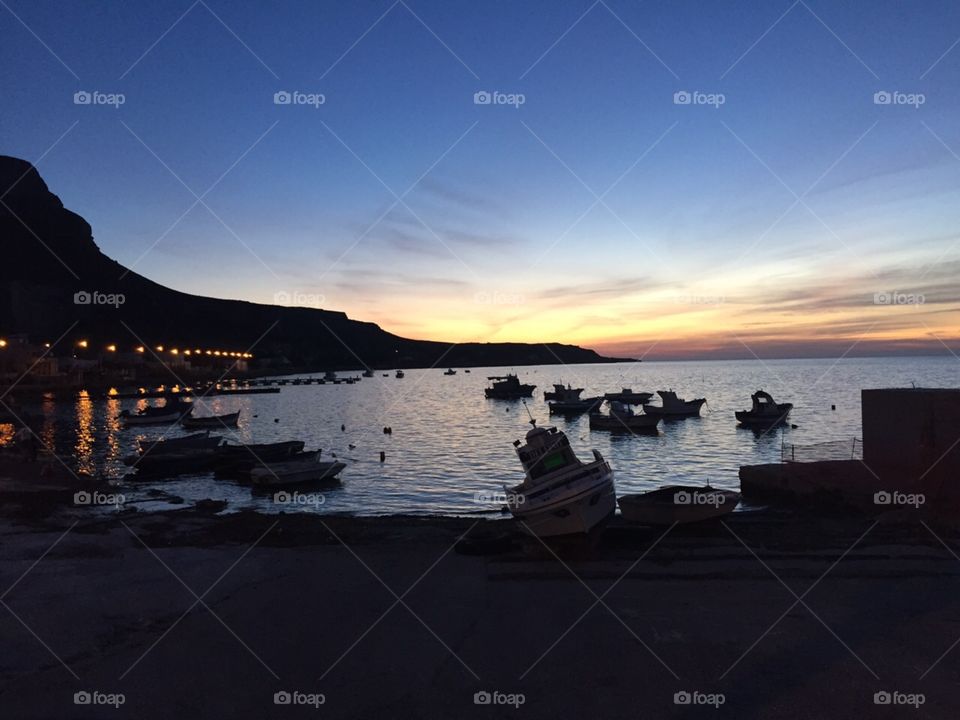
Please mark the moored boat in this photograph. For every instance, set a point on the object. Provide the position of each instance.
(561, 392)
(629, 397)
(678, 504)
(766, 412)
(239, 460)
(399, 374)
(560, 494)
(170, 413)
(508, 387)
(674, 407)
(368, 373)
(575, 407)
(197, 440)
(306, 468)
(214, 421)
(622, 418)
(450, 371)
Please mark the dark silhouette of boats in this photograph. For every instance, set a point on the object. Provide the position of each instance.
(766, 412)
(622, 418)
(211, 421)
(629, 397)
(674, 407)
(560, 392)
(508, 387)
(678, 504)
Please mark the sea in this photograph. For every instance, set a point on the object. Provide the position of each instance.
(451, 450)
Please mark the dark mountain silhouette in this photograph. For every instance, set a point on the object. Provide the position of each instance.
(49, 255)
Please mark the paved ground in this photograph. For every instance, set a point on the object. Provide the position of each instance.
(216, 617)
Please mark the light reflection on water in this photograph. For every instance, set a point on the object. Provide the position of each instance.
(449, 442)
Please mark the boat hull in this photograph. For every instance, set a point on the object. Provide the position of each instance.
(752, 419)
(661, 507)
(310, 472)
(215, 421)
(634, 423)
(570, 509)
(690, 408)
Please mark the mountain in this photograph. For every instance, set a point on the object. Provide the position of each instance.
(50, 256)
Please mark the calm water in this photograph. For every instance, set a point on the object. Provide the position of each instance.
(449, 442)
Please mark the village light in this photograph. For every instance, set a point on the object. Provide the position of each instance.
(140, 348)
(111, 348)
(159, 348)
(3, 343)
(174, 351)
(82, 343)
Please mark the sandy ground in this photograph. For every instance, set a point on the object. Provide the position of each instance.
(190, 615)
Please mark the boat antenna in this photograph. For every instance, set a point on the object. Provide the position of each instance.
(530, 414)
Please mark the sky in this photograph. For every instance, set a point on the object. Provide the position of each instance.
(649, 179)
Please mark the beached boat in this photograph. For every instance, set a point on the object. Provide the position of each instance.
(622, 418)
(239, 460)
(450, 371)
(508, 387)
(157, 415)
(674, 407)
(560, 494)
(629, 397)
(214, 421)
(575, 407)
(171, 463)
(766, 412)
(678, 504)
(561, 392)
(306, 468)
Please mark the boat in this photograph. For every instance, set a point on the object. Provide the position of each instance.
(574, 407)
(298, 470)
(508, 387)
(628, 396)
(368, 373)
(765, 412)
(622, 418)
(197, 440)
(399, 374)
(560, 494)
(467, 370)
(560, 392)
(239, 460)
(157, 415)
(678, 504)
(228, 421)
(674, 407)
(450, 371)
(330, 376)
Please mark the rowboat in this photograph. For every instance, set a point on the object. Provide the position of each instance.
(306, 468)
(238, 460)
(678, 504)
(229, 420)
(157, 416)
(197, 440)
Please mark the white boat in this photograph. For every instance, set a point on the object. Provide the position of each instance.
(450, 371)
(678, 504)
(560, 495)
(301, 470)
(622, 418)
(674, 407)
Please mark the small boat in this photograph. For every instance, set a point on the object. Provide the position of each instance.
(399, 374)
(765, 411)
(674, 407)
(368, 373)
(560, 392)
(214, 421)
(157, 415)
(560, 494)
(629, 397)
(622, 418)
(171, 463)
(575, 407)
(467, 370)
(508, 387)
(298, 470)
(450, 371)
(239, 460)
(330, 376)
(195, 441)
(678, 504)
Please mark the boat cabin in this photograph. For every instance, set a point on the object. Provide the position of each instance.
(547, 450)
(763, 403)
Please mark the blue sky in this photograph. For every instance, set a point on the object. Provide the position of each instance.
(599, 211)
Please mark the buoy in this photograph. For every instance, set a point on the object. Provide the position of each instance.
(383, 456)
(833, 407)
(276, 419)
(352, 446)
(343, 428)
